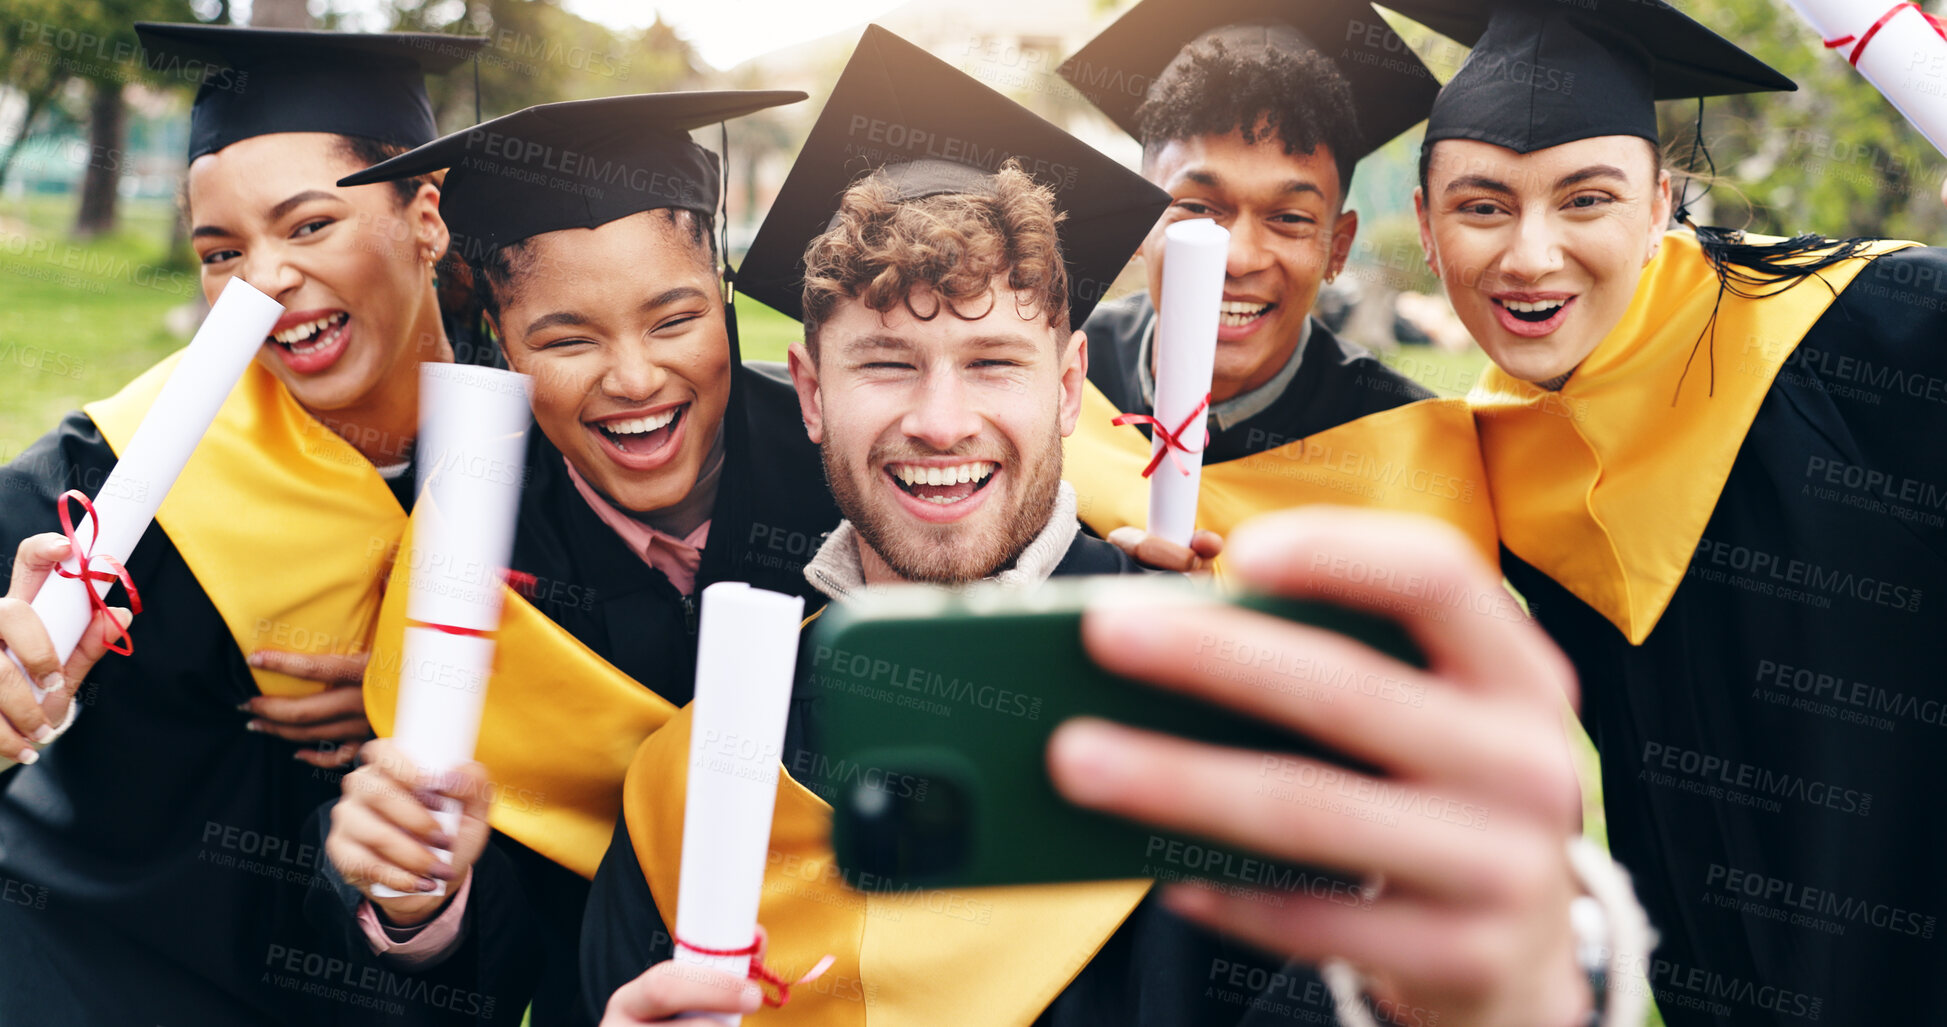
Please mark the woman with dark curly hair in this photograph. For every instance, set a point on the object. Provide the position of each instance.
(662, 464)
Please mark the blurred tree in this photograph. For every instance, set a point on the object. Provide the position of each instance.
(34, 69)
(1834, 157)
(96, 42)
(538, 53)
(280, 14)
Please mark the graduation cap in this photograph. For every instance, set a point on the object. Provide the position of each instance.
(1391, 89)
(263, 81)
(1545, 73)
(578, 164)
(936, 130)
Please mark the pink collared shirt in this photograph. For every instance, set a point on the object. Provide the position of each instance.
(677, 558)
(414, 947)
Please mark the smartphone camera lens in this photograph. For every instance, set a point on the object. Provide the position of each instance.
(906, 834)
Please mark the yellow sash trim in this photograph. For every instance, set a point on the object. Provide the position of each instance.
(1606, 486)
(287, 527)
(903, 959)
(1422, 457)
(557, 734)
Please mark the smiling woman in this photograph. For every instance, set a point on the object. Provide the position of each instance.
(1659, 438)
(353, 268)
(309, 456)
(661, 465)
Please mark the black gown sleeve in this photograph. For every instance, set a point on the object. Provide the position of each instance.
(489, 979)
(622, 932)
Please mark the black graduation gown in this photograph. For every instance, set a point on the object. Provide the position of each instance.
(1772, 752)
(1157, 970)
(771, 513)
(1336, 382)
(152, 863)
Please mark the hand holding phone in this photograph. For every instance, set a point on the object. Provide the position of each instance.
(1471, 798)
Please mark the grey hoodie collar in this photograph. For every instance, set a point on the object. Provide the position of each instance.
(838, 571)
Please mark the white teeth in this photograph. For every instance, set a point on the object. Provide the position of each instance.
(296, 334)
(1233, 314)
(959, 474)
(1531, 308)
(641, 425)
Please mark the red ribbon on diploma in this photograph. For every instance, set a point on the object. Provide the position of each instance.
(452, 629)
(84, 558)
(761, 973)
(1172, 440)
(1867, 37)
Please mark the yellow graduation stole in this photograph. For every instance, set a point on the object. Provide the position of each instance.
(1606, 486)
(560, 726)
(902, 959)
(285, 525)
(1421, 457)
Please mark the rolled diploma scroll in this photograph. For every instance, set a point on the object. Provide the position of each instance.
(747, 651)
(1194, 253)
(162, 444)
(1906, 60)
(472, 454)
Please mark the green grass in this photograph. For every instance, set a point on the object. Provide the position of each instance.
(763, 333)
(78, 321)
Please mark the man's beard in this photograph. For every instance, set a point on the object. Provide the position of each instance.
(956, 553)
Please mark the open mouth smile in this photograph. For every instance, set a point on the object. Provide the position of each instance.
(312, 344)
(641, 441)
(1535, 317)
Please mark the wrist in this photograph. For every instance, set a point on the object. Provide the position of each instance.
(411, 911)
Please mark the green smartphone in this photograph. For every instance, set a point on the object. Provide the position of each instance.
(931, 710)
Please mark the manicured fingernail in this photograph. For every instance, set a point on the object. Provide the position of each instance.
(428, 884)
(1093, 764)
(244, 707)
(1128, 534)
(440, 840)
(44, 734)
(442, 872)
(256, 659)
(255, 725)
(28, 758)
(752, 997)
(54, 682)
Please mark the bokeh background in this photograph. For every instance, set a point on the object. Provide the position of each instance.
(97, 282)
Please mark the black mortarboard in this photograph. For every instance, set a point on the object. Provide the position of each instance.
(937, 130)
(263, 81)
(1545, 73)
(577, 164)
(1391, 89)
